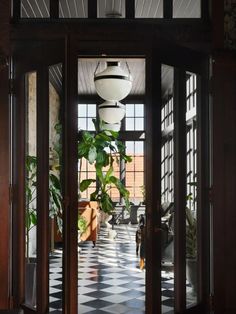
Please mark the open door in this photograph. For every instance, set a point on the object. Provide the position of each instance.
(184, 214)
(176, 168)
(41, 207)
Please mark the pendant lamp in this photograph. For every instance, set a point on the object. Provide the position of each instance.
(111, 112)
(113, 84)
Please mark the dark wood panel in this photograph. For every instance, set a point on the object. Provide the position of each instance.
(153, 184)
(54, 9)
(18, 209)
(130, 9)
(4, 191)
(168, 9)
(203, 182)
(224, 182)
(5, 215)
(42, 190)
(70, 212)
(180, 189)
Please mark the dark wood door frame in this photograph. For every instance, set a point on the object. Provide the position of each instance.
(73, 49)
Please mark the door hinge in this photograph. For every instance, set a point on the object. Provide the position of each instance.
(211, 303)
(11, 86)
(210, 195)
(10, 193)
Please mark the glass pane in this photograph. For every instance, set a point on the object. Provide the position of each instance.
(92, 110)
(148, 9)
(34, 8)
(73, 8)
(187, 9)
(82, 123)
(139, 110)
(129, 109)
(82, 110)
(91, 126)
(191, 206)
(55, 190)
(129, 124)
(139, 124)
(167, 196)
(31, 189)
(111, 9)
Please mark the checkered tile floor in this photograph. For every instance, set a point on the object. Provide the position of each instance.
(110, 280)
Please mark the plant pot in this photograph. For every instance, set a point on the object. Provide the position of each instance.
(30, 283)
(191, 273)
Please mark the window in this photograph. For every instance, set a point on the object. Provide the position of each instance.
(134, 171)
(131, 174)
(134, 120)
(86, 115)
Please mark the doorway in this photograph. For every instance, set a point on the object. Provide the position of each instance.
(184, 67)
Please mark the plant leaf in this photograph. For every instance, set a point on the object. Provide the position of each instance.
(85, 184)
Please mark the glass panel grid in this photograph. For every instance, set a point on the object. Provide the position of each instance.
(134, 120)
(86, 113)
(134, 174)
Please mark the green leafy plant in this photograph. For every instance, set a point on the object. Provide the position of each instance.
(55, 198)
(82, 224)
(102, 149)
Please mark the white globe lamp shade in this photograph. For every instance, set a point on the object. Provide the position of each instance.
(111, 127)
(111, 112)
(113, 84)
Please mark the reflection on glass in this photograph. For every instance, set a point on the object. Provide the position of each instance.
(111, 9)
(34, 9)
(55, 192)
(167, 189)
(191, 206)
(30, 189)
(148, 9)
(187, 9)
(73, 8)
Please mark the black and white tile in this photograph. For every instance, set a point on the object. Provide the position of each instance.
(109, 279)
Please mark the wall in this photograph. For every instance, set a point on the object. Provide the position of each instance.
(4, 158)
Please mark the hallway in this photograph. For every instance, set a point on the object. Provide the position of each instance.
(109, 277)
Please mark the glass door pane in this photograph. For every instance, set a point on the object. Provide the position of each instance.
(30, 188)
(55, 188)
(191, 197)
(167, 190)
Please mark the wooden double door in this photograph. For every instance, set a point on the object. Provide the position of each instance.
(46, 85)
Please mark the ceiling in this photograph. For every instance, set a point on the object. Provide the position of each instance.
(87, 67)
(110, 8)
(115, 9)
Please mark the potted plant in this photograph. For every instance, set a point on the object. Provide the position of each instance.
(102, 149)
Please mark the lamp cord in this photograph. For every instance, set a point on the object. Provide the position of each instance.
(96, 67)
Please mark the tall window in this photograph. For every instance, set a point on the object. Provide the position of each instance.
(167, 127)
(131, 174)
(86, 112)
